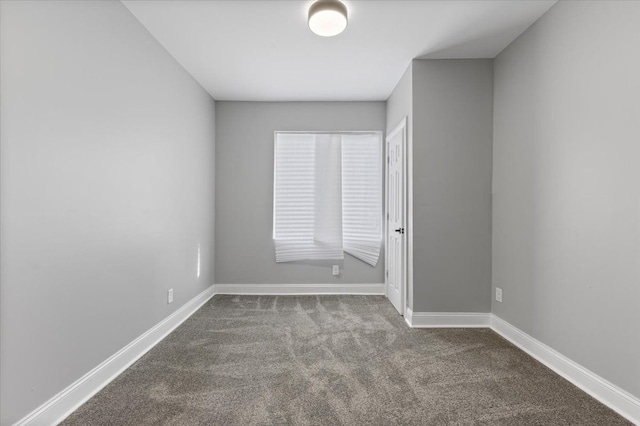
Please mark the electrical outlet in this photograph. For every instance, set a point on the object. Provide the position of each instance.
(499, 294)
(336, 270)
(170, 296)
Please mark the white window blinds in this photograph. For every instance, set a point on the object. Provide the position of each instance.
(362, 196)
(327, 196)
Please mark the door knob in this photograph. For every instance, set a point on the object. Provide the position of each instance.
(400, 230)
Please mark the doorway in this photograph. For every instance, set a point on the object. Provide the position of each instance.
(396, 217)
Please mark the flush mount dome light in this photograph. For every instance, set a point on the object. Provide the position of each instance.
(327, 17)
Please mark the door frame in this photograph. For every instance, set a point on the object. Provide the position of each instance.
(401, 127)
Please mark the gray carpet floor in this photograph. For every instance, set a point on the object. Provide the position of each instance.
(334, 360)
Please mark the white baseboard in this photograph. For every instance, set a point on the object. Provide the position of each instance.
(60, 406)
(408, 316)
(447, 319)
(67, 401)
(609, 394)
(604, 391)
(300, 289)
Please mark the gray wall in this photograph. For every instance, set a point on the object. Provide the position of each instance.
(448, 104)
(244, 188)
(106, 191)
(452, 150)
(399, 106)
(566, 212)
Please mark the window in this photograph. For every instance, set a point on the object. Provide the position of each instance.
(327, 196)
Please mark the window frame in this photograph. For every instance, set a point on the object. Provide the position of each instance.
(383, 162)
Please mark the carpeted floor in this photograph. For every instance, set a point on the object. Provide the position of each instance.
(334, 360)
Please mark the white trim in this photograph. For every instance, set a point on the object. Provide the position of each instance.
(408, 316)
(448, 319)
(293, 289)
(68, 400)
(604, 391)
(401, 126)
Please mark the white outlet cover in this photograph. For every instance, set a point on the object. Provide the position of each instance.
(499, 294)
(170, 296)
(336, 270)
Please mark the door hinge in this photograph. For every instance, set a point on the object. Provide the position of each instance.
(387, 272)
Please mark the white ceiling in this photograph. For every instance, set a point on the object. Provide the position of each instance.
(262, 50)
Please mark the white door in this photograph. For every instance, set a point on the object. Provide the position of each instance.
(395, 197)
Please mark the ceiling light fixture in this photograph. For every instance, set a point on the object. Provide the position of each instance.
(327, 18)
